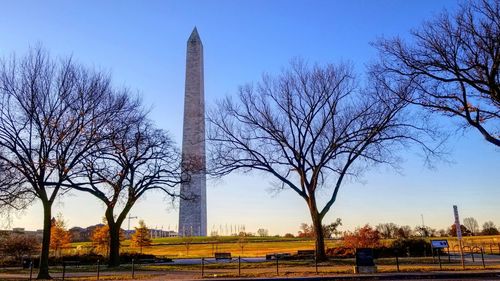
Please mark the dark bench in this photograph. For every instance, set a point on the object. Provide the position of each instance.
(144, 261)
(306, 253)
(27, 262)
(71, 263)
(160, 260)
(278, 256)
(222, 256)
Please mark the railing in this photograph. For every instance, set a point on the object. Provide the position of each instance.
(278, 264)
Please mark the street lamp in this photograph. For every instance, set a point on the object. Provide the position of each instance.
(129, 218)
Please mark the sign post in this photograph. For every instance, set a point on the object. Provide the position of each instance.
(459, 234)
(439, 244)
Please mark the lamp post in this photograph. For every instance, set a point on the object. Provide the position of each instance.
(128, 230)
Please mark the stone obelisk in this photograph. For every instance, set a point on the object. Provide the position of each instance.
(193, 209)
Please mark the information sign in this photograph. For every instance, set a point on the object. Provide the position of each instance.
(439, 244)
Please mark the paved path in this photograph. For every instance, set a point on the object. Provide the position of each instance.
(194, 272)
(140, 275)
(212, 260)
(441, 275)
(195, 275)
(488, 259)
(474, 259)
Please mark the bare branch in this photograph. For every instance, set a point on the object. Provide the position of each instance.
(52, 116)
(309, 128)
(453, 66)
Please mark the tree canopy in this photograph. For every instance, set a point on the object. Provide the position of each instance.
(451, 66)
(310, 128)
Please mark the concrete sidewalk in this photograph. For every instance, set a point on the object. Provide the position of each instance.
(451, 275)
(126, 275)
(194, 275)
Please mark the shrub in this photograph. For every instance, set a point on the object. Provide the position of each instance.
(85, 259)
(365, 237)
(92, 258)
(340, 252)
(384, 252)
(127, 257)
(412, 247)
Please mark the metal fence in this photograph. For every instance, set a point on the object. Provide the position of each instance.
(477, 257)
(472, 258)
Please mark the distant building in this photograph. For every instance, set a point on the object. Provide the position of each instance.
(160, 233)
(38, 234)
(79, 234)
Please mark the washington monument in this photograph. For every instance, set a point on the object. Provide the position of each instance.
(193, 209)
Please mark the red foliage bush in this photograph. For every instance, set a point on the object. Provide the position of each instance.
(365, 237)
(340, 252)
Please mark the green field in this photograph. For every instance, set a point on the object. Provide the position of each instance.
(259, 247)
(197, 247)
(206, 246)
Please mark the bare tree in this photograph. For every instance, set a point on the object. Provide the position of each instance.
(309, 128)
(489, 228)
(187, 240)
(453, 64)
(387, 230)
(306, 230)
(13, 194)
(263, 232)
(51, 117)
(471, 224)
(442, 232)
(404, 232)
(19, 245)
(242, 241)
(135, 159)
(332, 229)
(425, 231)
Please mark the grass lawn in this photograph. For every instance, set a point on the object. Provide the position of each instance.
(259, 247)
(287, 268)
(197, 247)
(247, 249)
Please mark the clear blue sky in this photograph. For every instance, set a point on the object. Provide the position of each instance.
(142, 43)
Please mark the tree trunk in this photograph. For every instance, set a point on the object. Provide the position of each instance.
(43, 272)
(114, 239)
(114, 232)
(318, 231)
(114, 245)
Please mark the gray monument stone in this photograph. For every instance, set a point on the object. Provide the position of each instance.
(193, 209)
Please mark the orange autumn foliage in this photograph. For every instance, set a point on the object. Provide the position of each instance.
(365, 237)
(100, 238)
(59, 236)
